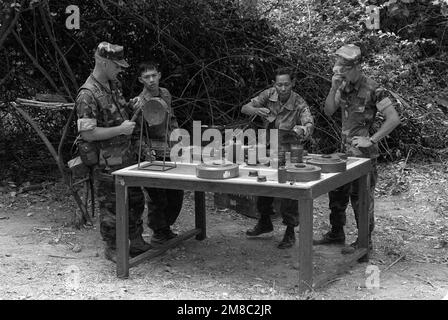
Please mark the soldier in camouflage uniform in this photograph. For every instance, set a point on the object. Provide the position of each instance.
(165, 204)
(287, 111)
(359, 98)
(105, 129)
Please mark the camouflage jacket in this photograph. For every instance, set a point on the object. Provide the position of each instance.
(359, 104)
(98, 106)
(283, 116)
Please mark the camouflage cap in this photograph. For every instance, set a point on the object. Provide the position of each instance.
(350, 54)
(112, 52)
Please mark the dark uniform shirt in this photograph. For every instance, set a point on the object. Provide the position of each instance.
(283, 116)
(98, 106)
(359, 104)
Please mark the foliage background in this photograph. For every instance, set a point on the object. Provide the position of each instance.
(215, 55)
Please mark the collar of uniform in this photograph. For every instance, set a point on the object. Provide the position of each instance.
(289, 104)
(108, 90)
(146, 94)
(350, 87)
(358, 83)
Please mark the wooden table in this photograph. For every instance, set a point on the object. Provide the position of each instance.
(184, 177)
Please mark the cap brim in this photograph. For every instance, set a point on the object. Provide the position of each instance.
(122, 63)
(341, 61)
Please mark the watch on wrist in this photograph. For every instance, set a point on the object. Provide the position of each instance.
(371, 140)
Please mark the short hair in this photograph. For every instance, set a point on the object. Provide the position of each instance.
(148, 65)
(284, 71)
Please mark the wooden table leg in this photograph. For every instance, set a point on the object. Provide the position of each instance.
(122, 227)
(200, 223)
(305, 245)
(363, 219)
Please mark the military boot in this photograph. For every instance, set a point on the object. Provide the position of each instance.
(264, 225)
(334, 236)
(288, 239)
(159, 237)
(138, 246)
(353, 246)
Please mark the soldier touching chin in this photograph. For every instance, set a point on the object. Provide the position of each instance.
(359, 98)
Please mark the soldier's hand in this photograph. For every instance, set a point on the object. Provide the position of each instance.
(135, 102)
(363, 142)
(262, 112)
(299, 130)
(302, 131)
(127, 127)
(336, 81)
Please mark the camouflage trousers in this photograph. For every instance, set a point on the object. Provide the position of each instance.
(288, 209)
(105, 189)
(164, 207)
(340, 197)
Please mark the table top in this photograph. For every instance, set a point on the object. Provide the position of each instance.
(186, 172)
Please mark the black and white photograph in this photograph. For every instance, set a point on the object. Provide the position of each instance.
(224, 156)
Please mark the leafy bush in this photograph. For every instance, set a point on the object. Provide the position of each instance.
(215, 56)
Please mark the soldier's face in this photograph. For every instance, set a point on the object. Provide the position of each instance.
(150, 79)
(283, 85)
(352, 75)
(347, 73)
(112, 70)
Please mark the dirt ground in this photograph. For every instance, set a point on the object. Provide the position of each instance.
(43, 257)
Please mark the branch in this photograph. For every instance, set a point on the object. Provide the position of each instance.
(9, 27)
(84, 214)
(164, 34)
(53, 60)
(55, 45)
(36, 63)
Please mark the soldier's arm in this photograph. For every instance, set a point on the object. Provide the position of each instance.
(257, 105)
(331, 105)
(332, 101)
(102, 133)
(87, 122)
(306, 119)
(385, 104)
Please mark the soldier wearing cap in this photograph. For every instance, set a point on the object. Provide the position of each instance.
(359, 99)
(282, 109)
(105, 142)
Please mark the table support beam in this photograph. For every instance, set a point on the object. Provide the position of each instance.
(200, 221)
(122, 228)
(152, 253)
(305, 245)
(363, 222)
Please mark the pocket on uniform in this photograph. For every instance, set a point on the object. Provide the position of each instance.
(88, 151)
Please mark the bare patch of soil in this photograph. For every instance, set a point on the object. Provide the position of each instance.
(42, 257)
